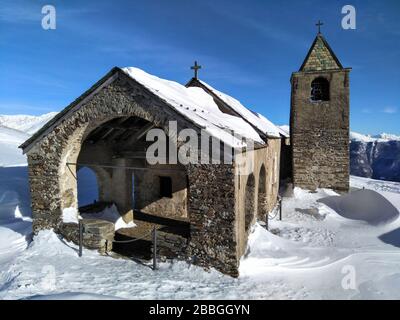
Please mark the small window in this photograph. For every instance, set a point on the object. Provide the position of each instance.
(165, 187)
(320, 90)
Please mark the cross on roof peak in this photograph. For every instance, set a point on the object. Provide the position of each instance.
(319, 24)
(196, 68)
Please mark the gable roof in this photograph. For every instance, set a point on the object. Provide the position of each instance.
(260, 123)
(193, 103)
(320, 57)
(198, 106)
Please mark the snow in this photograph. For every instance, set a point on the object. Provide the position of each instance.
(285, 128)
(10, 139)
(366, 205)
(14, 130)
(72, 296)
(305, 256)
(387, 137)
(383, 137)
(361, 137)
(355, 136)
(26, 123)
(70, 215)
(197, 105)
(256, 119)
(15, 220)
(377, 185)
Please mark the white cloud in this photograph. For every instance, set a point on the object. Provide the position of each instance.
(390, 110)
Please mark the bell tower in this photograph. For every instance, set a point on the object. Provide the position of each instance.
(319, 120)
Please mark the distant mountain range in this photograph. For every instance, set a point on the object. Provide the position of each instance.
(376, 157)
(26, 123)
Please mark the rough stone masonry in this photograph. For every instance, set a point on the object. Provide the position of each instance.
(212, 198)
(319, 120)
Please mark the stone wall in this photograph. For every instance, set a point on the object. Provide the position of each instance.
(171, 246)
(212, 217)
(320, 132)
(264, 201)
(147, 193)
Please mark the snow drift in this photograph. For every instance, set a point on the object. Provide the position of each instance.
(366, 205)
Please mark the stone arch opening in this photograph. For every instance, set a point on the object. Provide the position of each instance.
(119, 142)
(79, 151)
(114, 151)
(249, 203)
(320, 89)
(262, 194)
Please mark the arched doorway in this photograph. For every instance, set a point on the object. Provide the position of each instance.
(110, 150)
(249, 203)
(262, 194)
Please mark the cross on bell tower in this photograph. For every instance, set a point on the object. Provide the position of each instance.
(196, 68)
(319, 24)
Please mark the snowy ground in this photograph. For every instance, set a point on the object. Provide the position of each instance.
(314, 253)
(307, 255)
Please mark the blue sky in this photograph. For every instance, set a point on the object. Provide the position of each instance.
(248, 49)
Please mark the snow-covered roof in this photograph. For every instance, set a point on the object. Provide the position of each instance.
(285, 129)
(194, 103)
(200, 107)
(256, 119)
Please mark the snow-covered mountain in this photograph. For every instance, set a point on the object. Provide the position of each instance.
(375, 157)
(26, 123)
(14, 130)
(10, 139)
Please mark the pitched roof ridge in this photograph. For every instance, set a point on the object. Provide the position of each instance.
(327, 46)
(216, 94)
